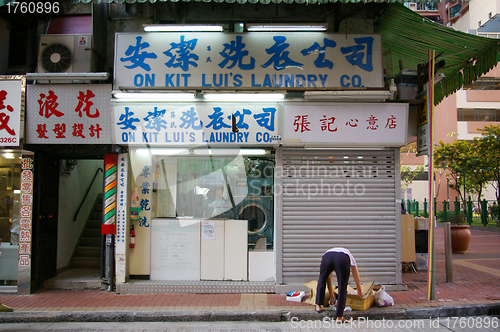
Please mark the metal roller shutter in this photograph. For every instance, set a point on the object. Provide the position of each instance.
(343, 198)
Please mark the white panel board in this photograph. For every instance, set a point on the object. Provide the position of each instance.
(261, 265)
(236, 250)
(175, 250)
(212, 250)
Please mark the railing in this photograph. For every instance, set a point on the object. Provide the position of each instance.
(88, 190)
(446, 211)
(455, 10)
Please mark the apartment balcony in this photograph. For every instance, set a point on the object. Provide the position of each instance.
(468, 130)
(425, 9)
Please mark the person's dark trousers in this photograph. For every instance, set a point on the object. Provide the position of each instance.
(341, 264)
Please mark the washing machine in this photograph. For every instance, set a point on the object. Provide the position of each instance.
(258, 205)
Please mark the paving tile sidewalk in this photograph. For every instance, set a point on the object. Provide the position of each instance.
(476, 277)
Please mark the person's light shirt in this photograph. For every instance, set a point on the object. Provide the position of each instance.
(345, 251)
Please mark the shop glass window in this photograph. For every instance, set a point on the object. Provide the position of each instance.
(205, 187)
(217, 187)
(10, 175)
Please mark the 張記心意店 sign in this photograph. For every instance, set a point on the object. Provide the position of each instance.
(376, 124)
(253, 60)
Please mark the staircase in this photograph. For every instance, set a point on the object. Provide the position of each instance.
(88, 251)
(85, 271)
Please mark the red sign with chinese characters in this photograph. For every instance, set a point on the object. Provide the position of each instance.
(69, 114)
(10, 112)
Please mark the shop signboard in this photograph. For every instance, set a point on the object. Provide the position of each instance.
(261, 60)
(353, 124)
(121, 204)
(423, 128)
(68, 114)
(10, 112)
(25, 225)
(195, 124)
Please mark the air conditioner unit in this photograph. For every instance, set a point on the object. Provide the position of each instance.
(65, 54)
(412, 6)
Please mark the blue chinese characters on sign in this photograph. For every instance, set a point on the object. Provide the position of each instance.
(188, 60)
(190, 124)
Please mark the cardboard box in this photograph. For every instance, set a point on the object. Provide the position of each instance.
(361, 303)
(313, 285)
(421, 224)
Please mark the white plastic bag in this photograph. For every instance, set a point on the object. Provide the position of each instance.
(383, 299)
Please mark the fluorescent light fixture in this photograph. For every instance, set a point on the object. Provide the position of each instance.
(153, 96)
(287, 27)
(8, 155)
(235, 96)
(229, 152)
(319, 147)
(183, 27)
(162, 152)
(67, 76)
(201, 152)
(362, 95)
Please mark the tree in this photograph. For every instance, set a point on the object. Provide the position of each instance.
(464, 163)
(408, 175)
(490, 143)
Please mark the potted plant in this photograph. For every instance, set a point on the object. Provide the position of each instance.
(460, 234)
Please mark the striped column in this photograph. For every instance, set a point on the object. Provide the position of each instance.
(110, 175)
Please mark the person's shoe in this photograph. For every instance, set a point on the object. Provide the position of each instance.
(344, 320)
(318, 308)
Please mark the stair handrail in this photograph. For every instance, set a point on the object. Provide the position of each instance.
(88, 190)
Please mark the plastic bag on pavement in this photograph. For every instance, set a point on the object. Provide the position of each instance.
(383, 299)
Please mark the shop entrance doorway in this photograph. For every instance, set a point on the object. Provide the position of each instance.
(79, 240)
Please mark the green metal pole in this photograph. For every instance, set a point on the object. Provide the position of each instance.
(434, 210)
(484, 212)
(425, 208)
(457, 206)
(445, 211)
(469, 211)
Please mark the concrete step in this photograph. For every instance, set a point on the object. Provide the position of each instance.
(94, 224)
(92, 233)
(83, 251)
(90, 242)
(86, 262)
(75, 279)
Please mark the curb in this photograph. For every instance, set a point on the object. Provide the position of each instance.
(456, 311)
(244, 315)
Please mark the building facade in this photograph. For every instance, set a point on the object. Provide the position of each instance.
(192, 156)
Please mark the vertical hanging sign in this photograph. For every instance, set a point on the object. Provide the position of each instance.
(121, 210)
(121, 220)
(423, 128)
(25, 225)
